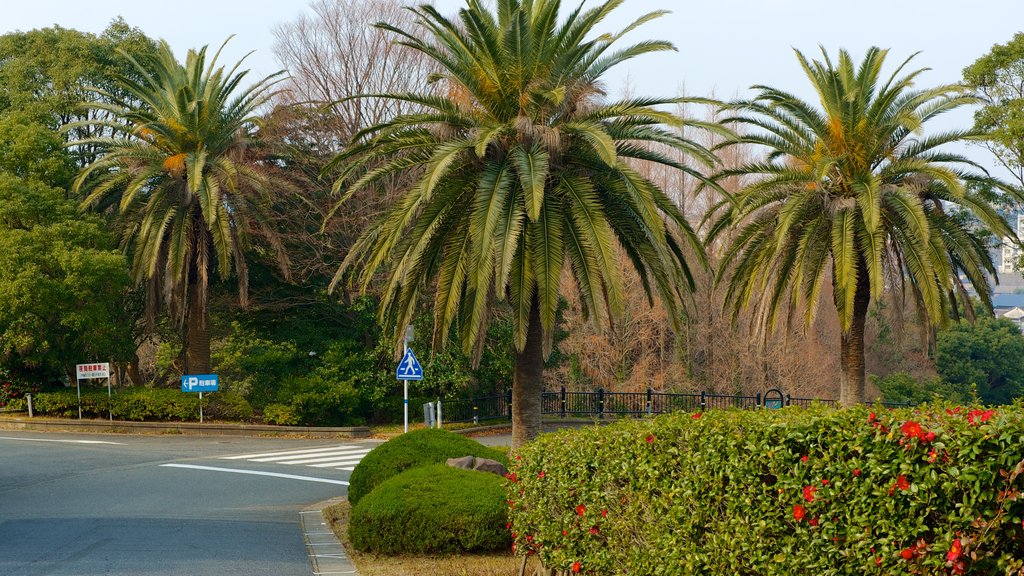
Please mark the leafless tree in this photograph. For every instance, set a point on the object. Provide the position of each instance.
(336, 52)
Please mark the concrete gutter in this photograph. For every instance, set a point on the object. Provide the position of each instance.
(326, 553)
(184, 428)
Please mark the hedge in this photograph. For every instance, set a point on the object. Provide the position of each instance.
(932, 490)
(432, 509)
(141, 404)
(412, 449)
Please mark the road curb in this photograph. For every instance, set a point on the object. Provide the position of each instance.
(183, 428)
(326, 553)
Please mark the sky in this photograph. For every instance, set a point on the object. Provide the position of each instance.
(724, 46)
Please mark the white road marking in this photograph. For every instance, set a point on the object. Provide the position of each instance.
(289, 453)
(341, 462)
(356, 456)
(255, 473)
(62, 441)
(343, 457)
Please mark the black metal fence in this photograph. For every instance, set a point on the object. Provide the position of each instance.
(601, 403)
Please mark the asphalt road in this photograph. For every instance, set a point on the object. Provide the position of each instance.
(73, 504)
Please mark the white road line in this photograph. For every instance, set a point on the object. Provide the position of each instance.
(255, 473)
(357, 456)
(62, 441)
(299, 458)
(292, 452)
(349, 462)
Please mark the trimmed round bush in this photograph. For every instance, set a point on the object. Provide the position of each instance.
(432, 509)
(934, 490)
(412, 449)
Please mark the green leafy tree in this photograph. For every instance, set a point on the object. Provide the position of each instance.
(998, 79)
(45, 74)
(521, 171)
(987, 354)
(62, 284)
(852, 191)
(178, 172)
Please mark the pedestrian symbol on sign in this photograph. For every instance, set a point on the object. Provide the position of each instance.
(409, 368)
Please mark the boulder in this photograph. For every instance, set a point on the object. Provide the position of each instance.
(464, 463)
(474, 463)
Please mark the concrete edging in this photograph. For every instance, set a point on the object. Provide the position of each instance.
(184, 428)
(326, 553)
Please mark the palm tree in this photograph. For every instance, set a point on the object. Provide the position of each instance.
(188, 195)
(520, 169)
(853, 192)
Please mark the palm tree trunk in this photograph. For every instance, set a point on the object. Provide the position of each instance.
(851, 379)
(528, 381)
(197, 334)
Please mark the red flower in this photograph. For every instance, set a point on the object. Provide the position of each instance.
(872, 417)
(650, 438)
(804, 458)
(824, 481)
(595, 530)
(929, 437)
(799, 512)
(541, 475)
(856, 471)
(529, 538)
(604, 513)
(907, 553)
(576, 567)
(813, 521)
(508, 526)
(696, 416)
(932, 457)
(809, 493)
(912, 429)
(581, 510)
(954, 551)
(511, 477)
(983, 415)
(565, 532)
(902, 483)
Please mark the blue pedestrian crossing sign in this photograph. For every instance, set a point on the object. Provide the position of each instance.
(409, 368)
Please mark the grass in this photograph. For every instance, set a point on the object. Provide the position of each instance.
(498, 564)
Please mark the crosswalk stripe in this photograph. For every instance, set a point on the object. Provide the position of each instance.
(290, 452)
(299, 458)
(355, 457)
(334, 463)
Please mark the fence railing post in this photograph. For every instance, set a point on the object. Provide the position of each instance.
(561, 398)
(600, 403)
(703, 400)
(476, 410)
(28, 397)
(757, 401)
(789, 399)
(650, 398)
(508, 407)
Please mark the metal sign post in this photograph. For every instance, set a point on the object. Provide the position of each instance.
(408, 369)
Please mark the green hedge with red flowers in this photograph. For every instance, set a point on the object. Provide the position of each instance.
(933, 490)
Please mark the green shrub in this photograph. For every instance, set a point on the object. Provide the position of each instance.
(416, 448)
(228, 406)
(432, 509)
(132, 404)
(789, 492)
(280, 414)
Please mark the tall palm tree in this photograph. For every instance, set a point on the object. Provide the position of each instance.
(187, 193)
(520, 169)
(852, 191)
